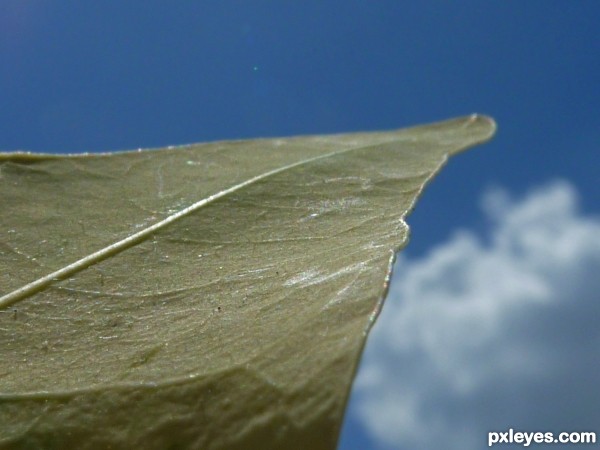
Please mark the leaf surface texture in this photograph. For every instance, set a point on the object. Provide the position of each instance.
(213, 296)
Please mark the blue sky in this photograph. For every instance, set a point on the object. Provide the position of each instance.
(113, 75)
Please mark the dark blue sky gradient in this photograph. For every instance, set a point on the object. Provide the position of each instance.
(98, 76)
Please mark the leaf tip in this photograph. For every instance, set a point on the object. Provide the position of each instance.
(474, 129)
(485, 125)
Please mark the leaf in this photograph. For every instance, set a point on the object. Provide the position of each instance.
(212, 296)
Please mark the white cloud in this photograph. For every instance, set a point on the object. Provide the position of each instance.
(484, 335)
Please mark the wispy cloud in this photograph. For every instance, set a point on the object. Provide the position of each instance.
(487, 333)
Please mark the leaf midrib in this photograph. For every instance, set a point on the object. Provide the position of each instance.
(43, 282)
